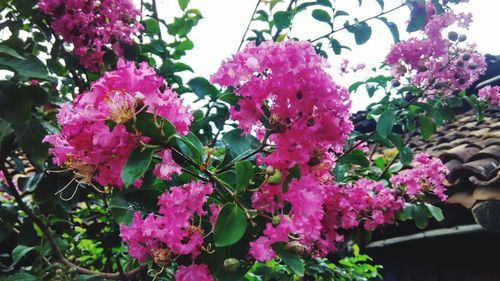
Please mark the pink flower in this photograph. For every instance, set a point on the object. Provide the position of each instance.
(194, 272)
(308, 111)
(167, 167)
(173, 227)
(426, 176)
(490, 94)
(93, 148)
(442, 66)
(93, 26)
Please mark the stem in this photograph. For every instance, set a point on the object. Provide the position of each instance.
(47, 233)
(393, 159)
(351, 25)
(248, 26)
(259, 149)
(278, 31)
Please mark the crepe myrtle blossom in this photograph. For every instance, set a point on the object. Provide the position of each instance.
(319, 211)
(425, 177)
(308, 114)
(94, 140)
(490, 94)
(93, 26)
(173, 228)
(443, 65)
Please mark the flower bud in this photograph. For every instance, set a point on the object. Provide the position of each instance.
(231, 265)
(275, 178)
(295, 247)
(422, 68)
(472, 66)
(461, 81)
(462, 38)
(452, 36)
(396, 83)
(460, 63)
(465, 57)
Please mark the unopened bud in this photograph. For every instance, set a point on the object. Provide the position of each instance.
(460, 63)
(453, 36)
(465, 57)
(396, 83)
(231, 265)
(422, 68)
(472, 66)
(295, 247)
(275, 178)
(461, 81)
(462, 38)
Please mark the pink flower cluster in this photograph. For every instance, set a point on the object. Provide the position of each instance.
(90, 146)
(173, 230)
(440, 65)
(308, 112)
(318, 212)
(346, 68)
(426, 177)
(491, 94)
(92, 26)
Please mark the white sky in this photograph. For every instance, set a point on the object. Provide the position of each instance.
(218, 35)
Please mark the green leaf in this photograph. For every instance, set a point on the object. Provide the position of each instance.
(419, 214)
(238, 145)
(185, 45)
(146, 124)
(386, 122)
(137, 164)
(322, 15)
(325, 3)
(356, 157)
(427, 127)
(336, 46)
(293, 261)
(230, 98)
(30, 67)
(273, 3)
(19, 252)
(393, 28)
(190, 146)
(244, 174)
(354, 87)
(202, 88)
(406, 155)
(183, 4)
(436, 212)
(362, 32)
(230, 226)
(340, 13)
(417, 16)
(30, 136)
(21, 276)
(397, 140)
(151, 26)
(381, 4)
(282, 19)
(11, 52)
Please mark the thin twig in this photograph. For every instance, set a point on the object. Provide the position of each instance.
(351, 25)
(248, 26)
(47, 233)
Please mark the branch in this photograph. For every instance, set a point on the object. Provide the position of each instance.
(394, 159)
(47, 233)
(248, 26)
(352, 25)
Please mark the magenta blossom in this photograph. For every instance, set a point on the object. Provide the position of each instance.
(308, 112)
(490, 94)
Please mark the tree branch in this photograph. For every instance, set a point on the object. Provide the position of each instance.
(351, 25)
(47, 233)
(248, 26)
